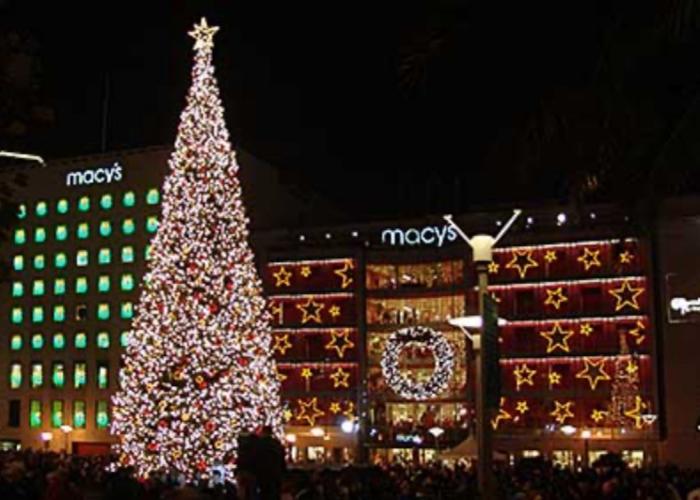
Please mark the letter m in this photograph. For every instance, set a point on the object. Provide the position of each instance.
(74, 178)
(392, 236)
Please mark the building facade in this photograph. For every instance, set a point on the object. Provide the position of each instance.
(585, 347)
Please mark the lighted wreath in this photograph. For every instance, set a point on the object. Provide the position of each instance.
(444, 362)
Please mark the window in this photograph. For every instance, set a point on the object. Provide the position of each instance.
(127, 282)
(37, 375)
(147, 252)
(106, 201)
(152, 224)
(103, 311)
(79, 414)
(56, 413)
(41, 209)
(18, 262)
(37, 341)
(59, 313)
(105, 228)
(15, 376)
(127, 254)
(81, 285)
(59, 286)
(16, 342)
(104, 256)
(60, 260)
(62, 206)
(128, 226)
(103, 340)
(13, 415)
(80, 340)
(153, 196)
(84, 204)
(34, 413)
(81, 312)
(20, 236)
(17, 315)
(22, 211)
(39, 261)
(79, 374)
(17, 289)
(102, 415)
(127, 310)
(38, 288)
(124, 338)
(83, 230)
(102, 375)
(81, 258)
(61, 232)
(592, 299)
(58, 376)
(59, 341)
(37, 314)
(103, 284)
(129, 199)
(39, 234)
(524, 302)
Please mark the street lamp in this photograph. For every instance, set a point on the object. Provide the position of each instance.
(67, 429)
(482, 254)
(46, 438)
(23, 156)
(436, 433)
(585, 435)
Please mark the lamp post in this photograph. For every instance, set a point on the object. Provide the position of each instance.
(23, 156)
(46, 438)
(482, 254)
(66, 429)
(585, 435)
(436, 433)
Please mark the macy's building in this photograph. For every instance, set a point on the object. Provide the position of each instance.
(601, 313)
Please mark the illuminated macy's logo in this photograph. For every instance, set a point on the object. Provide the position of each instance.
(428, 235)
(102, 175)
(685, 306)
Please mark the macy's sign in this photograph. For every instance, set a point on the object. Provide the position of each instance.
(102, 175)
(428, 235)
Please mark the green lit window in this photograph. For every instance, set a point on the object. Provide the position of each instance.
(129, 199)
(39, 261)
(37, 314)
(20, 236)
(128, 226)
(84, 204)
(83, 231)
(15, 376)
(34, 413)
(17, 315)
(147, 252)
(102, 415)
(103, 340)
(106, 201)
(59, 313)
(37, 375)
(41, 209)
(105, 228)
(127, 282)
(102, 376)
(59, 286)
(59, 341)
(152, 224)
(22, 211)
(17, 289)
(103, 311)
(104, 256)
(18, 262)
(127, 310)
(79, 414)
(58, 375)
(38, 288)
(81, 285)
(153, 196)
(81, 258)
(61, 232)
(127, 254)
(80, 340)
(79, 374)
(62, 206)
(103, 283)
(39, 234)
(124, 338)
(56, 413)
(60, 260)
(16, 342)
(37, 341)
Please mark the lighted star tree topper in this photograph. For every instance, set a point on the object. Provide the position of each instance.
(198, 369)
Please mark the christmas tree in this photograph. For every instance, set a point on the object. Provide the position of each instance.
(625, 386)
(198, 369)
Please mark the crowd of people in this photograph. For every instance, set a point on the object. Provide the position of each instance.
(40, 475)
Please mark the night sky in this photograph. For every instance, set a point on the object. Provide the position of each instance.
(386, 108)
